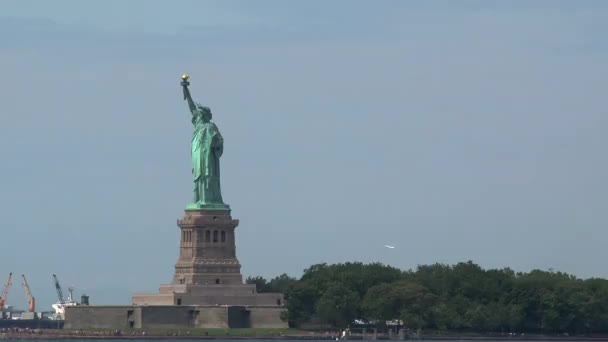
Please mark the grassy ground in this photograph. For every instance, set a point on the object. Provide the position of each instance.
(233, 332)
(191, 332)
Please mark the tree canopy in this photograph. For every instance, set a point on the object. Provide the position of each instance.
(461, 297)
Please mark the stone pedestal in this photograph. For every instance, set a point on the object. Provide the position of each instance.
(207, 271)
(207, 249)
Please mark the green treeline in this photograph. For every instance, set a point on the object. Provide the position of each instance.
(462, 297)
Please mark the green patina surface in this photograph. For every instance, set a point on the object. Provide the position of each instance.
(207, 148)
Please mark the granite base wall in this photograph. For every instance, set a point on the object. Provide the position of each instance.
(232, 295)
(264, 317)
(101, 317)
(172, 316)
(164, 317)
(153, 299)
(213, 317)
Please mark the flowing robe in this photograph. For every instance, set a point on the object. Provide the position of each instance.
(207, 148)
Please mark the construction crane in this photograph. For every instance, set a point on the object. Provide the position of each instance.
(58, 288)
(5, 292)
(60, 306)
(31, 301)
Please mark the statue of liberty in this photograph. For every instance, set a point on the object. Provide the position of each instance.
(207, 148)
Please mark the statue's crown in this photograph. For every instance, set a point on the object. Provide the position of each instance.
(203, 109)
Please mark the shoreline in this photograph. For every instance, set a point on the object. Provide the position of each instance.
(290, 337)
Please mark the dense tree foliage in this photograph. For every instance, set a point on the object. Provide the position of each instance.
(462, 297)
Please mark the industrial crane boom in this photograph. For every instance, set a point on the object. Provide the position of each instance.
(58, 288)
(31, 301)
(5, 291)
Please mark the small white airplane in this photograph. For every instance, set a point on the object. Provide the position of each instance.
(389, 246)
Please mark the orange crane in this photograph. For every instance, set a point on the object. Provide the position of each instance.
(5, 292)
(31, 301)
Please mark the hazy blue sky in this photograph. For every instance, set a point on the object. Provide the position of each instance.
(452, 130)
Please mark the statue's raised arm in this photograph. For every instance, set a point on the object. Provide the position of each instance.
(187, 96)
